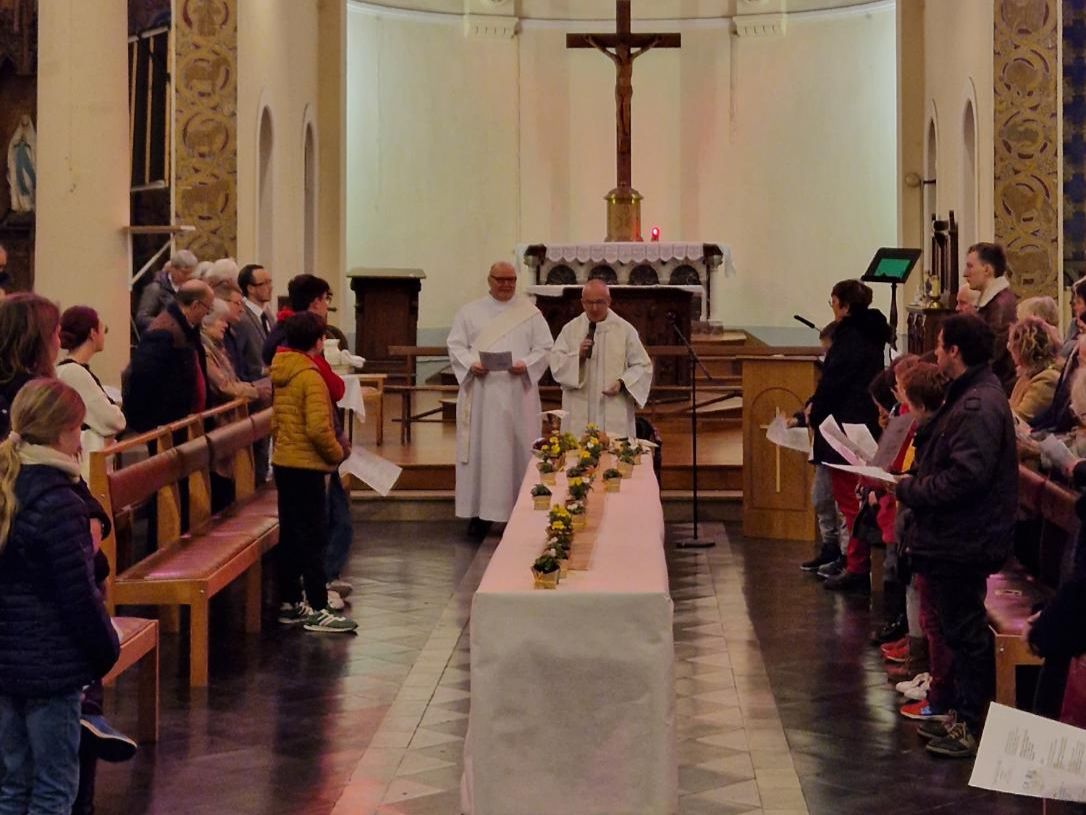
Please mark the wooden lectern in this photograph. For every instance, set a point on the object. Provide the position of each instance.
(776, 481)
(386, 312)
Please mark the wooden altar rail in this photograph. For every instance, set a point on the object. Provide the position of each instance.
(720, 389)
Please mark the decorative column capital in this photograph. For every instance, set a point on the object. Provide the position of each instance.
(490, 19)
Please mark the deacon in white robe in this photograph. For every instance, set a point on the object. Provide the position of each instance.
(497, 412)
(603, 368)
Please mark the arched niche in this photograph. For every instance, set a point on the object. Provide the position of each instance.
(309, 204)
(265, 189)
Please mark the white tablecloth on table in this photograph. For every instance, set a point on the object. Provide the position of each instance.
(352, 396)
(557, 290)
(572, 691)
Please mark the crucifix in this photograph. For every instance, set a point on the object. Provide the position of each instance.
(623, 47)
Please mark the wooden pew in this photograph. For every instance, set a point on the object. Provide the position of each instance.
(192, 568)
(139, 647)
(1014, 592)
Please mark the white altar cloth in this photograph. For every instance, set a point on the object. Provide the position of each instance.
(572, 690)
(556, 290)
(630, 252)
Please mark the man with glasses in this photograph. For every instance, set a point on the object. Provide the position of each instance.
(497, 411)
(256, 320)
(603, 368)
(167, 378)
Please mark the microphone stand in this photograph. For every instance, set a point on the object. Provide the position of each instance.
(695, 362)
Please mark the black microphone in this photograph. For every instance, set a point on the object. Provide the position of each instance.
(804, 320)
(591, 336)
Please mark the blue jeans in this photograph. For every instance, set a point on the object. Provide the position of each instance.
(832, 529)
(39, 747)
(339, 528)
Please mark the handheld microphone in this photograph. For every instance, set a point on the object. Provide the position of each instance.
(804, 320)
(591, 336)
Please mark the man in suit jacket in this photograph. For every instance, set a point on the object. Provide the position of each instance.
(255, 323)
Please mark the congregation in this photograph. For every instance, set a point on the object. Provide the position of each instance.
(960, 421)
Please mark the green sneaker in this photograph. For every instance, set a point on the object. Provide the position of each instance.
(937, 728)
(324, 621)
(957, 743)
(294, 613)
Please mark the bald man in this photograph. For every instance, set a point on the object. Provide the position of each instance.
(603, 368)
(497, 411)
(167, 378)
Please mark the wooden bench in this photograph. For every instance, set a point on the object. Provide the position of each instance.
(139, 648)
(1014, 592)
(188, 569)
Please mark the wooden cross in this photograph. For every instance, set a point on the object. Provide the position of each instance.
(623, 48)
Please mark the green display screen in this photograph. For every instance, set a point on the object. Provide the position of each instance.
(893, 268)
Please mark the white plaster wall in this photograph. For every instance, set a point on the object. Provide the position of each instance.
(791, 161)
(277, 70)
(81, 247)
(958, 47)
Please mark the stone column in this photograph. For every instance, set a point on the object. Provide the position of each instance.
(81, 255)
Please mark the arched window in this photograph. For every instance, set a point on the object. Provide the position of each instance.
(309, 228)
(265, 191)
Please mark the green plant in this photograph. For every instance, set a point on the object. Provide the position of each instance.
(611, 473)
(540, 490)
(546, 562)
(546, 466)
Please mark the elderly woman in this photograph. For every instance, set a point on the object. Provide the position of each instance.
(1033, 346)
(1043, 307)
(223, 382)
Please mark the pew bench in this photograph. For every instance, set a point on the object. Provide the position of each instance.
(190, 569)
(1012, 595)
(139, 648)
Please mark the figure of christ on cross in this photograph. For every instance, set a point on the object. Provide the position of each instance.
(623, 48)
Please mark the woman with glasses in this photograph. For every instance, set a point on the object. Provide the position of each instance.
(82, 335)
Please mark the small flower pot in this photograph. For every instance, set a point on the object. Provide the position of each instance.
(542, 501)
(612, 485)
(579, 522)
(626, 468)
(563, 567)
(546, 581)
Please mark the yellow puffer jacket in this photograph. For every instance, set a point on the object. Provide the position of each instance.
(302, 430)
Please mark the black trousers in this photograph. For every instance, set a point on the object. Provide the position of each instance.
(303, 534)
(958, 601)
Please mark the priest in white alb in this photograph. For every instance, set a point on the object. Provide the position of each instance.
(497, 410)
(603, 368)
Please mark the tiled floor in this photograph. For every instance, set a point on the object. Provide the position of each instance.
(782, 707)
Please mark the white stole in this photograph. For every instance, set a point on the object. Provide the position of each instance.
(520, 311)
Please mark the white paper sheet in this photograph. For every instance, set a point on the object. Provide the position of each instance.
(1026, 754)
(866, 471)
(836, 438)
(1057, 452)
(892, 440)
(793, 438)
(860, 435)
(496, 360)
(377, 473)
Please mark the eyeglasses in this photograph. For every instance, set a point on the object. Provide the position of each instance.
(207, 306)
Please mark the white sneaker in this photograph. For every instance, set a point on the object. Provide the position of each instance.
(336, 601)
(916, 681)
(919, 692)
(326, 622)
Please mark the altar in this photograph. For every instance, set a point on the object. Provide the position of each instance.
(572, 690)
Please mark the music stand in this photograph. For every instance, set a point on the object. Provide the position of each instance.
(892, 266)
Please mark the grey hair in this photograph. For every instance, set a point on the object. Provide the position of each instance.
(224, 269)
(220, 310)
(183, 259)
(202, 269)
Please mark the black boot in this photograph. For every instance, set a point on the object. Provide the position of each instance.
(850, 582)
(889, 631)
(828, 554)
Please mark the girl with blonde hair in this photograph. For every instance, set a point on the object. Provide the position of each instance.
(55, 634)
(1034, 345)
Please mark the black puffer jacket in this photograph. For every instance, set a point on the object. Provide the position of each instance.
(55, 635)
(964, 494)
(855, 358)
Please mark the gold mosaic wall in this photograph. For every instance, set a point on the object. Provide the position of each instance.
(205, 134)
(1027, 189)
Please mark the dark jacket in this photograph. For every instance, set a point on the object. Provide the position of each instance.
(964, 494)
(55, 635)
(1058, 417)
(278, 335)
(1000, 312)
(167, 378)
(855, 358)
(154, 299)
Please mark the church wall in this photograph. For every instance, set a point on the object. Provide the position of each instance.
(81, 253)
(958, 43)
(782, 148)
(432, 126)
(279, 59)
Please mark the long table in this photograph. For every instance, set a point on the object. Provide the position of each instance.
(572, 692)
